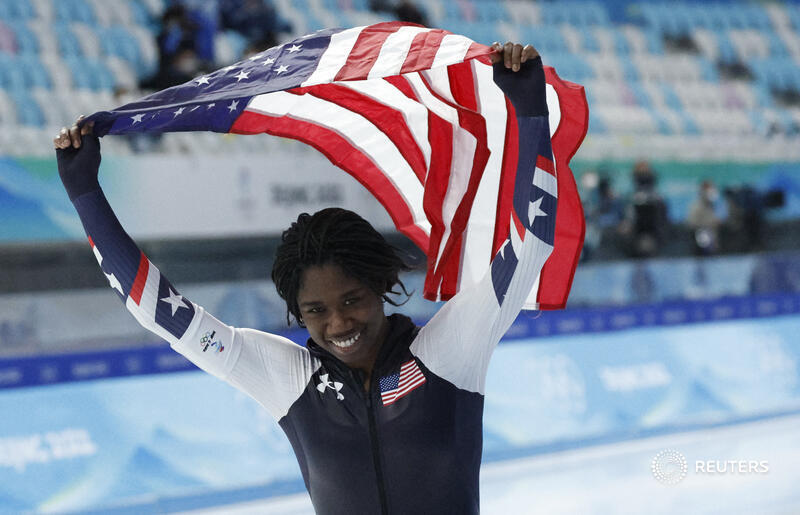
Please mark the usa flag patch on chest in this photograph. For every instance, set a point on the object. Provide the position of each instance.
(401, 383)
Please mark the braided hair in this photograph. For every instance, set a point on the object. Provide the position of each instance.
(341, 237)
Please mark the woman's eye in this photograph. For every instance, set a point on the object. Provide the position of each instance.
(314, 310)
(351, 300)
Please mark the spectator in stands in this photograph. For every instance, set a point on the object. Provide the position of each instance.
(703, 220)
(183, 48)
(646, 225)
(747, 207)
(256, 20)
(603, 211)
(406, 10)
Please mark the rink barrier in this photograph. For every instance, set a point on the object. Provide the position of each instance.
(38, 370)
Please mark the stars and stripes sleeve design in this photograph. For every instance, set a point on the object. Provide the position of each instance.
(458, 342)
(413, 114)
(149, 296)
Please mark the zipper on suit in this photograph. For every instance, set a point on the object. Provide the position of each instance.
(374, 444)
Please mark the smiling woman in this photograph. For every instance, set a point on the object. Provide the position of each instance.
(372, 401)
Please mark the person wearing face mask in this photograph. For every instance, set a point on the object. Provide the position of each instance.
(383, 416)
(703, 220)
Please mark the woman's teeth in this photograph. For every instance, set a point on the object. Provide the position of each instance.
(343, 344)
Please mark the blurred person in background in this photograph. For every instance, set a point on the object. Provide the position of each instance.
(747, 210)
(646, 225)
(256, 20)
(403, 10)
(372, 401)
(703, 220)
(185, 47)
(603, 210)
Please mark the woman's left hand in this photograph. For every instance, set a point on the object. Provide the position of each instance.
(512, 54)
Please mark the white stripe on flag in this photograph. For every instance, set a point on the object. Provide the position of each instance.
(439, 81)
(394, 51)
(415, 114)
(464, 145)
(452, 50)
(363, 135)
(545, 181)
(479, 235)
(334, 57)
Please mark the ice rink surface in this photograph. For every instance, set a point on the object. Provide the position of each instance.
(617, 478)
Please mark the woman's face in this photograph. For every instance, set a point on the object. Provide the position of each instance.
(342, 315)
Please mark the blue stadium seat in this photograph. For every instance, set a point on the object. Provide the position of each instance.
(490, 11)
(90, 74)
(16, 10)
(707, 70)
(547, 39)
(35, 74)
(74, 10)
(27, 43)
(621, 45)
(596, 126)
(28, 110)
(117, 40)
(661, 122)
(12, 77)
(655, 43)
(68, 44)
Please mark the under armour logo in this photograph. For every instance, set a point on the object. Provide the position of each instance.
(333, 385)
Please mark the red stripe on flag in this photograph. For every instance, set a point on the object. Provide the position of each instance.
(388, 120)
(558, 271)
(403, 85)
(477, 50)
(91, 242)
(423, 50)
(343, 154)
(440, 135)
(462, 87)
(505, 194)
(140, 280)
(475, 124)
(365, 51)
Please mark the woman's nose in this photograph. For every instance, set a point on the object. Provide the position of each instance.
(339, 323)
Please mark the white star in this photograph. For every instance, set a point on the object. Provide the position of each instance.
(193, 109)
(202, 80)
(179, 111)
(268, 60)
(282, 68)
(242, 75)
(212, 104)
(114, 283)
(295, 48)
(534, 210)
(175, 300)
(137, 117)
(233, 105)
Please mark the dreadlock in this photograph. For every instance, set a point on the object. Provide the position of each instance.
(343, 238)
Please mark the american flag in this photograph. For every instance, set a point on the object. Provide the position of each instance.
(414, 115)
(401, 383)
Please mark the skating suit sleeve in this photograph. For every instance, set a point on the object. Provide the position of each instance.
(269, 368)
(459, 340)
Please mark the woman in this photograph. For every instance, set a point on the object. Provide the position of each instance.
(383, 416)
